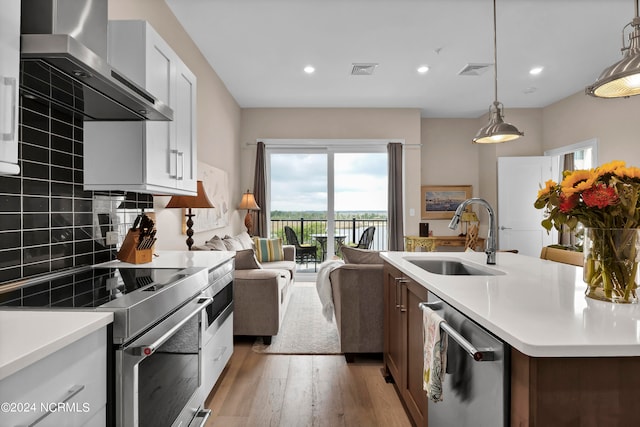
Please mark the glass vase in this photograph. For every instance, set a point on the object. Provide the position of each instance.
(611, 258)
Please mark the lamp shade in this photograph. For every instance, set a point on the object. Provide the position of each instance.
(201, 200)
(248, 202)
(497, 130)
(469, 216)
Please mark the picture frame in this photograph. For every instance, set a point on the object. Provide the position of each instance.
(216, 184)
(441, 201)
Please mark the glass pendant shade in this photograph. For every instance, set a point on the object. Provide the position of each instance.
(497, 130)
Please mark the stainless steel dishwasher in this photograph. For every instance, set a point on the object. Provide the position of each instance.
(476, 386)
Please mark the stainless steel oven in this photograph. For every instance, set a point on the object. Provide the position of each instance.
(159, 374)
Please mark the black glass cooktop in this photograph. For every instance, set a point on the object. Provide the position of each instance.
(87, 288)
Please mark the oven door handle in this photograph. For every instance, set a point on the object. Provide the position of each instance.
(147, 350)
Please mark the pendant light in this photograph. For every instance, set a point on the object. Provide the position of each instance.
(496, 130)
(622, 79)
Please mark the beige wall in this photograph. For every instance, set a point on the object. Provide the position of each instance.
(218, 119)
(615, 123)
(336, 123)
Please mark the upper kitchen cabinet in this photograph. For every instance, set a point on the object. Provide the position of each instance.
(147, 157)
(9, 73)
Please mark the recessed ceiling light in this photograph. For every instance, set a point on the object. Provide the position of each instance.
(309, 69)
(536, 70)
(423, 69)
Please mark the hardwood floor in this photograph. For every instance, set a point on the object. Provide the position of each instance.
(291, 391)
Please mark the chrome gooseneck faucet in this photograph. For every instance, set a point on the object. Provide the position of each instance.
(491, 238)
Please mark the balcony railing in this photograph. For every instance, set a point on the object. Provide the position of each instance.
(351, 228)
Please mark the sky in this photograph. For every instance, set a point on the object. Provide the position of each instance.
(299, 182)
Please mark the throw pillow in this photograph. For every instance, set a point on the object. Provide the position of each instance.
(360, 256)
(215, 244)
(246, 260)
(245, 240)
(268, 250)
(232, 244)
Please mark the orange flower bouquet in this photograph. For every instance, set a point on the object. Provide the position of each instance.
(606, 200)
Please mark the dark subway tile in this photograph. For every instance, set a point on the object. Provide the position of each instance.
(82, 205)
(60, 189)
(83, 247)
(9, 258)
(84, 259)
(37, 288)
(82, 233)
(38, 300)
(30, 221)
(83, 219)
(10, 184)
(9, 203)
(61, 235)
(35, 237)
(61, 250)
(61, 219)
(35, 153)
(62, 128)
(59, 204)
(35, 105)
(35, 120)
(38, 268)
(61, 174)
(35, 170)
(35, 204)
(35, 136)
(9, 222)
(36, 253)
(61, 144)
(12, 295)
(10, 240)
(34, 187)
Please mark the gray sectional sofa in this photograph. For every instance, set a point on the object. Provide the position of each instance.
(261, 289)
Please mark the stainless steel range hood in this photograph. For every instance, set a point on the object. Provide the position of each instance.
(63, 59)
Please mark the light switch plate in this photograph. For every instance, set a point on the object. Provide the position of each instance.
(112, 238)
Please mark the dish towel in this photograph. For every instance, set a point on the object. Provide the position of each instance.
(435, 354)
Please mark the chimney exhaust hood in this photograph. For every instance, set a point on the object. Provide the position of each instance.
(63, 60)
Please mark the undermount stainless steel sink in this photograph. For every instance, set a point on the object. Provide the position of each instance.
(449, 267)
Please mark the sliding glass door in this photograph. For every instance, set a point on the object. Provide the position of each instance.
(328, 196)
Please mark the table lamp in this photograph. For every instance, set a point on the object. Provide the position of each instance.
(248, 202)
(466, 218)
(201, 200)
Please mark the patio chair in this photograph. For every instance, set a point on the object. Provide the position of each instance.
(304, 252)
(366, 239)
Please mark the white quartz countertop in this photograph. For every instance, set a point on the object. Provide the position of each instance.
(28, 336)
(537, 306)
(178, 259)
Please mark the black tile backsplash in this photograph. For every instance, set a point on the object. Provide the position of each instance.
(48, 221)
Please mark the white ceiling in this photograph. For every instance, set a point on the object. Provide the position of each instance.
(260, 47)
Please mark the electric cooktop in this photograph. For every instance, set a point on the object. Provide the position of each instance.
(88, 288)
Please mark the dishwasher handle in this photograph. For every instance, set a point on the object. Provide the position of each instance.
(478, 354)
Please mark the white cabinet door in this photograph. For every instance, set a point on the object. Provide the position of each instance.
(164, 152)
(9, 74)
(185, 123)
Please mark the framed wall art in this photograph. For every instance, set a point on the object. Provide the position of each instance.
(216, 184)
(441, 201)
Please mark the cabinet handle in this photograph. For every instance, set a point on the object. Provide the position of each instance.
(396, 280)
(181, 156)
(11, 83)
(72, 392)
(171, 157)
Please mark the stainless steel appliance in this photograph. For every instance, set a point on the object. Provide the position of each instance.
(65, 42)
(161, 317)
(476, 386)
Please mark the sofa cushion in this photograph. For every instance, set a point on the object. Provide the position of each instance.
(360, 256)
(268, 250)
(246, 260)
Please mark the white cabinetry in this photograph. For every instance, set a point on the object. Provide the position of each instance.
(66, 388)
(9, 74)
(149, 157)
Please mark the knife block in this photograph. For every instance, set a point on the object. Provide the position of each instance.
(129, 253)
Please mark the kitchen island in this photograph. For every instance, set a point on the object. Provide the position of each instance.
(574, 361)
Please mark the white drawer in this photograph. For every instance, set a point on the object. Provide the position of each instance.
(217, 352)
(46, 384)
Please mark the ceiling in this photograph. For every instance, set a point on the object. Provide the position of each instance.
(260, 47)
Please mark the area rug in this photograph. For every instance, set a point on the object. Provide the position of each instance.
(304, 329)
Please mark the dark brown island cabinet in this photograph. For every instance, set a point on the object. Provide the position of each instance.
(544, 391)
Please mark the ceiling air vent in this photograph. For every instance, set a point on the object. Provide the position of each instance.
(474, 69)
(363, 69)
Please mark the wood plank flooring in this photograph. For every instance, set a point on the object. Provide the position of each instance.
(292, 391)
